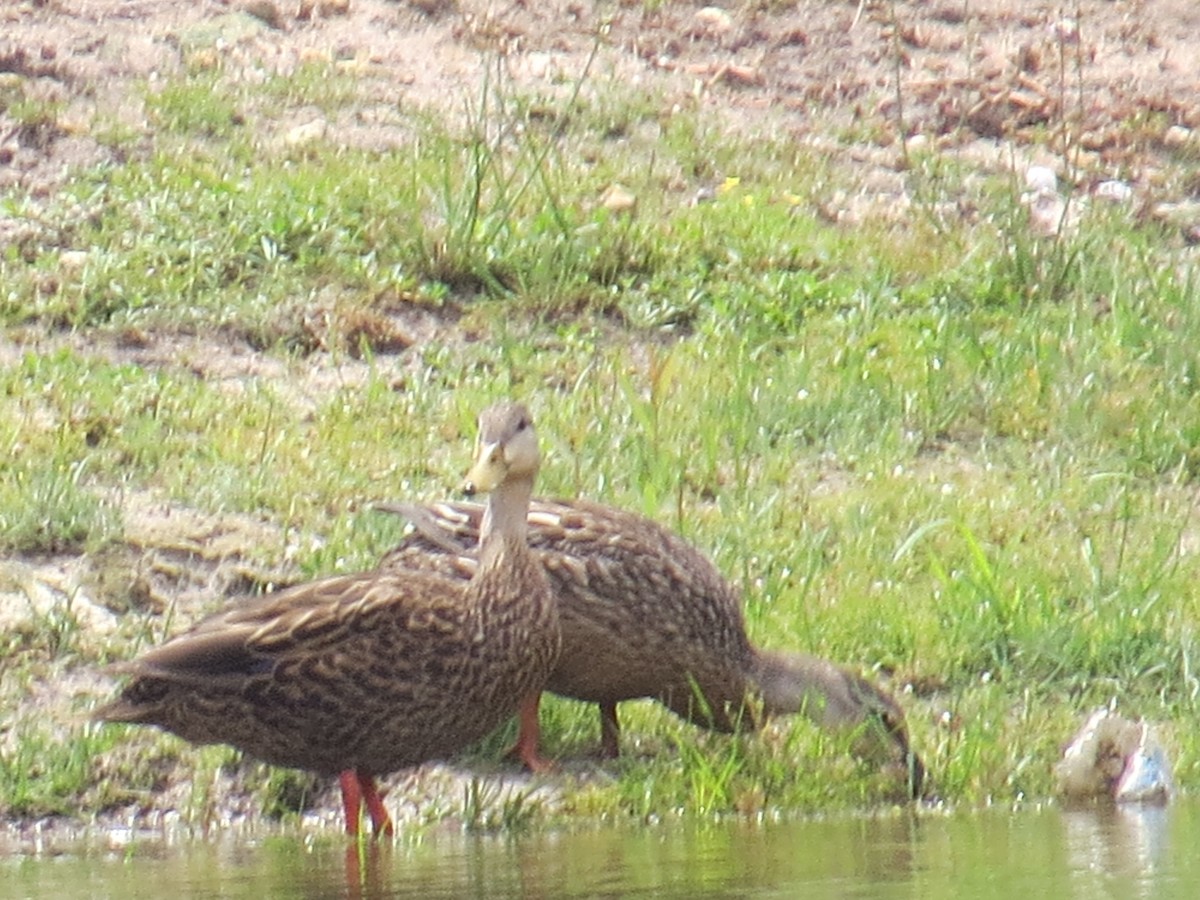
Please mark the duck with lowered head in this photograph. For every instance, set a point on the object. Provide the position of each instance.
(645, 614)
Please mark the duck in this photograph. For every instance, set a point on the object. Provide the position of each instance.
(643, 613)
(359, 675)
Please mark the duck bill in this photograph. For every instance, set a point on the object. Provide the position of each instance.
(487, 473)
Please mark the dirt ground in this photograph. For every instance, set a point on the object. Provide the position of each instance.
(990, 80)
(968, 70)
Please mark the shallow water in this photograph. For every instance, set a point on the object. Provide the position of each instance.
(1127, 853)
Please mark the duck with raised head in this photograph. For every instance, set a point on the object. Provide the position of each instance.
(361, 675)
(645, 614)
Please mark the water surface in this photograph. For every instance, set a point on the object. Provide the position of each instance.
(1122, 853)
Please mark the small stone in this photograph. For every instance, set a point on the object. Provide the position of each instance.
(618, 199)
(73, 260)
(742, 75)
(1095, 141)
(1184, 216)
(714, 20)
(1116, 191)
(1047, 214)
(315, 56)
(204, 59)
(306, 133)
(917, 143)
(540, 66)
(265, 11)
(433, 7)
(1041, 180)
(1065, 30)
(1176, 137)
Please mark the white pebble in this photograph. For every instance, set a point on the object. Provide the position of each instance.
(1116, 191)
(1041, 179)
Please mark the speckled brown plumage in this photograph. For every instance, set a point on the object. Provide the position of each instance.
(376, 671)
(645, 614)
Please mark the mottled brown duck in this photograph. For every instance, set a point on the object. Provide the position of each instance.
(361, 675)
(645, 614)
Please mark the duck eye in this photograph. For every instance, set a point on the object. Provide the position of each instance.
(522, 424)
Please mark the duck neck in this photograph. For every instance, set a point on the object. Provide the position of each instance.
(794, 683)
(504, 518)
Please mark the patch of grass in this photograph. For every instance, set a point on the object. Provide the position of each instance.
(195, 107)
(43, 774)
(488, 807)
(46, 508)
(287, 792)
(323, 85)
(928, 442)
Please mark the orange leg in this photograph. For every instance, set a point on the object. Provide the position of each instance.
(352, 800)
(529, 736)
(610, 732)
(372, 798)
(359, 791)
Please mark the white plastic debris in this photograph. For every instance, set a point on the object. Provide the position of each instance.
(1147, 775)
(1114, 757)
